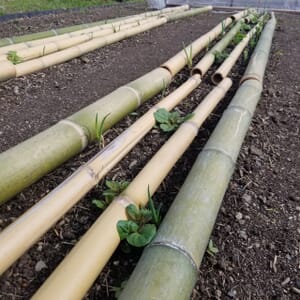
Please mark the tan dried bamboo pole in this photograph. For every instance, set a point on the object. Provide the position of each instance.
(94, 249)
(28, 161)
(180, 59)
(55, 32)
(26, 230)
(64, 42)
(229, 62)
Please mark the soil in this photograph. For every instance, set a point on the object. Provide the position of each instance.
(257, 230)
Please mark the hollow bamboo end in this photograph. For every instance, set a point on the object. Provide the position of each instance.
(217, 78)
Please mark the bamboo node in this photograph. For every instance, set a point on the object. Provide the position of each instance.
(124, 201)
(79, 129)
(178, 248)
(192, 124)
(220, 151)
(138, 96)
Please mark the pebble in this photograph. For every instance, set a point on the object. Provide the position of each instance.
(239, 216)
(254, 150)
(132, 164)
(16, 90)
(232, 293)
(286, 281)
(247, 198)
(40, 265)
(243, 235)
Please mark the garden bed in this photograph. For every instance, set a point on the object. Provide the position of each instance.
(257, 230)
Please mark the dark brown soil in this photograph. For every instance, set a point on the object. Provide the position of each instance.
(257, 231)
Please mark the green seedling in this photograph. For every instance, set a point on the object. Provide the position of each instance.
(245, 28)
(238, 38)
(223, 27)
(220, 56)
(188, 55)
(169, 121)
(246, 54)
(208, 45)
(114, 188)
(99, 129)
(140, 228)
(13, 57)
(211, 249)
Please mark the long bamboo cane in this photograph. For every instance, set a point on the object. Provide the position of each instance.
(226, 66)
(175, 254)
(111, 25)
(25, 163)
(55, 32)
(101, 240)
(62, 42)
(203, 65)
(180, 59)
(10, 70)
(96, 31)
(20, 235)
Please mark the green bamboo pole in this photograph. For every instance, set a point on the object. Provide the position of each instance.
(28, 161)
(168, 267)
(190, 13)
(55, 32)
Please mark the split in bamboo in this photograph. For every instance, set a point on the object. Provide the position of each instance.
(94, 249)
(175, 254)
(25, 163)
(56, 32)
(10, 70)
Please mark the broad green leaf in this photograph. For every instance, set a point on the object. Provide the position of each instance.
(99, 203)
(143, 237)
(133, 212)
(113, 185)
(211, 249)
(125, 228)
(146, 215)
(161, 115)
(167, 128)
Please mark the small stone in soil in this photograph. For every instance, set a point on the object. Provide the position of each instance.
(243, 235)
(239, 216)
(40, 265)
(231, 293)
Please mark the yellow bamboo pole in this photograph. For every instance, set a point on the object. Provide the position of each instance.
(23, 233)
(61, 43)
(55, 35)
(94, 249)
(180, 59)
(229, 62)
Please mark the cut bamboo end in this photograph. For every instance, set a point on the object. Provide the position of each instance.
(8, 70)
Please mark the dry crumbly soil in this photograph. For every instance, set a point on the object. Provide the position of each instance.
(257, 230)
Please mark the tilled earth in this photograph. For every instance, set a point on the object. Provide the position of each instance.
(257, 230)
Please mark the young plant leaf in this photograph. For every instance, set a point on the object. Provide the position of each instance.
(143, 237)
(99, 203)
(211, 249)
(125, 228)
(132, 212)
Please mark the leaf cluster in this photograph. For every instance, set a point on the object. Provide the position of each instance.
(99, 129)
(211, 249)
(13, 57)
(169, 121)
(140, 228)
(220, 56)
(114, 188)
(188, 55)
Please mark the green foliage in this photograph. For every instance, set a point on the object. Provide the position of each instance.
(211, 249)
(246, 54)
(13, 57)
(99, 128)
(140, 228)
(238, 38)
(169, 121)
(114, 188)
(188, 55)
(223, 27)
(220, 56)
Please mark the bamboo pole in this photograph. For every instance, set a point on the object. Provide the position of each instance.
(10, 70)
(25, 163)
(111, 25)
(101, 240)
(63, 42)
(180, 59)
(229, 62)
(91, 32)
(26, 230)
(203, 65)
(55, 32)
(189, 13)
(175, 254)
